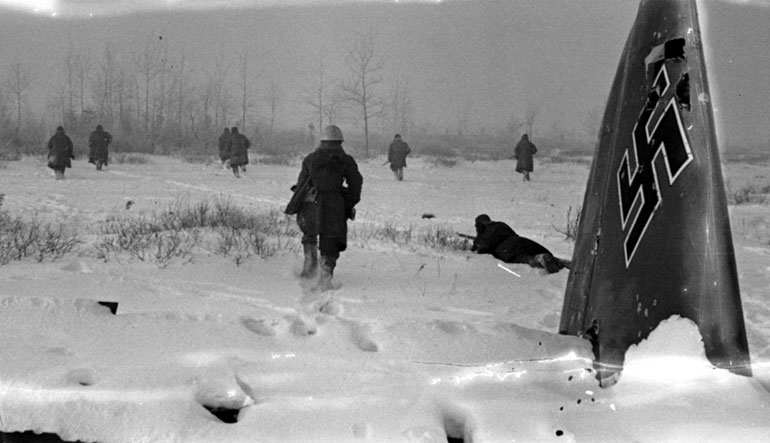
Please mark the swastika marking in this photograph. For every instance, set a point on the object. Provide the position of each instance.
(639, 187)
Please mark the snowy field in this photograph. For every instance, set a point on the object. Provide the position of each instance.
(417, 344)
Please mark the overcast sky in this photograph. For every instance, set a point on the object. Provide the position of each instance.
(476, 61)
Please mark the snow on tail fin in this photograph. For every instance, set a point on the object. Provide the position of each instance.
(654, 237)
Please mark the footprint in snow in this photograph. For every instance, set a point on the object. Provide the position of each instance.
(223, 397)
(363, 337)
(81, 376)
(302, 327)
(452, 327)
(259, 326)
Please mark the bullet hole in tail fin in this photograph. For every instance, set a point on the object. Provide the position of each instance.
(225, 415)
(674, 49)
(683, 91)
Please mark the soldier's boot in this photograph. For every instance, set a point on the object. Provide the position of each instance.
(59, 174)
(548, 262)
(327, 272)
(310, 265)
(235, 172)
(99, 165)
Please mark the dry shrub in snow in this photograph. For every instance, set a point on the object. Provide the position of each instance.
(142, 240)
(750, 193)
(7, 155)
(444, 162)
(216, 225)
(22, 238)
(443, 238)
(241, 244)
(278, 159)
(191, 157)
(434, 237)
(570, 229)
(129, 158)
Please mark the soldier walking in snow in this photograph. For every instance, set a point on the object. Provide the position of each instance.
(60, 153)
(397, 153)
(498, 239)
(523, 154)
(224, 147)
(239, 155)
(98, 142)
(327, 190)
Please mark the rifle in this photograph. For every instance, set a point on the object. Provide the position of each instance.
(300, 192)
(469, 237)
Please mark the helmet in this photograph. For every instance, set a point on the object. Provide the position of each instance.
(99, 128)
(332, 133)
(482, 219)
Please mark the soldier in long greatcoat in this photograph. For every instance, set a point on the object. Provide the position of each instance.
(239, 151)
(60, 153)
(397, 153)
(523, 153)
(333, 177)
(98, 141)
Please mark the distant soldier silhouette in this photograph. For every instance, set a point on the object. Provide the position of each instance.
(498, 239)
(239, 152)
(327, 191)
(224, 147)
(523, 154)
(98, 142)
(397, 153)
(60, 152)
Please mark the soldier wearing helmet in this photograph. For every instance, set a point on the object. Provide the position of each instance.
(327, 190)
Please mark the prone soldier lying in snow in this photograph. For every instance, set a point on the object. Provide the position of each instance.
(498, 239)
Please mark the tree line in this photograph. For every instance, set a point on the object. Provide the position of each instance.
(155, 101)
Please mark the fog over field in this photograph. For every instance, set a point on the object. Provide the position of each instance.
(462, 66)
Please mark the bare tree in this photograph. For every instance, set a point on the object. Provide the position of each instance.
(163, 90)
(530, 115)
(70, 67)
(331, 108)
(273, 99)
(365, 74)
(524, 122)
(180, 98)
(147, 64)
(122, 91)
(317, 98)
(17, 82)
(400, 106)
(82, 66)
(244, 74)
(220, 94)
(105, 84)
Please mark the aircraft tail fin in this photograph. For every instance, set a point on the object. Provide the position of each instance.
(654, 237)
